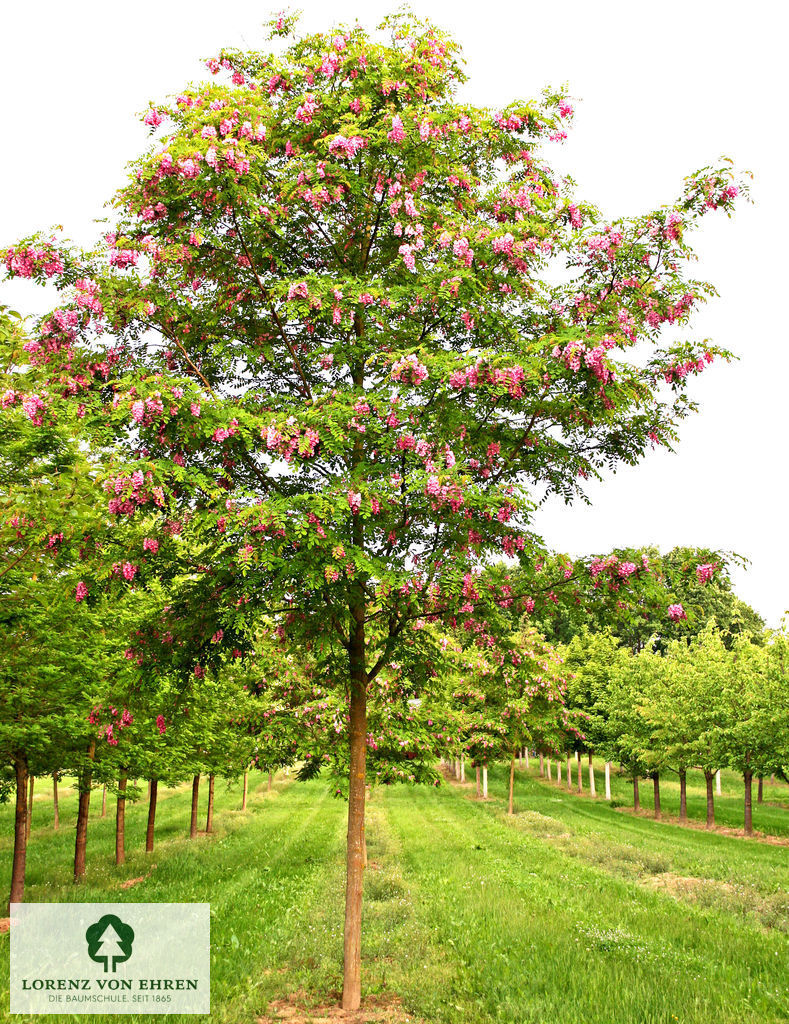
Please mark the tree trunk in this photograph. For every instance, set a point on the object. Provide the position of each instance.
(656, 786)
(104, 802)
(708, 777)
(683, 795)
(270, 781)
(548, 768)
(760, 791)
(83, 807)
(479, 791)
(718, 782)
(55, 806)
(20, 831)
(608, 780)
(29, 822)
(195, 795)
(542, 765)
(354, 867)
(636, 800)
(748, 779)
(244, 794)
(592, 789)
(569, 774)
(485, 781)
(580, 772)
(526, 752)
(209, 817)
(512, 785)
(153, 790)
(120, 821)
(462, 767)
(559, 772)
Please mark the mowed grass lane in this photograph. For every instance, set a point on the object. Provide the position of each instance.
(551, 916)
(548, 917)
(260, 871)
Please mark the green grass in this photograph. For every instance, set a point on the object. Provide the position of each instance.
(570, 912)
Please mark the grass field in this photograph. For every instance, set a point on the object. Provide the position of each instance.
(572, 912)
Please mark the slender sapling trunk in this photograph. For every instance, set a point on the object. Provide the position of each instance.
(512, 786)
(708, 777)
(153, 789)
(244, 794)
(55, 806)
(83, 808)
(120, 821)
(354, 867)
(608, 780)
(592, 789)
(656, 786)
(20, 831)
(31, 781)
(195, 795)
(209, 817)
(748, 780)
(636, 799)
(683, 795)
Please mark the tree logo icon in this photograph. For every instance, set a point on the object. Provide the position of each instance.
(109, 941)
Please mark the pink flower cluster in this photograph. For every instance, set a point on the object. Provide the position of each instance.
(575, 353)
(121, 721)
(25, 262)
(704, 573)
(149, 410)
(223, 433)
(678, 371)
(153, 118)
(82, 591)
(291, 440)
(123, 258)
(510, 377)
(397, 133)
(347, 147)
(409, 370)
(676, 612)
(131, 492)
(161, 725)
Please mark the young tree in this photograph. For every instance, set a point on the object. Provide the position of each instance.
(338, 366)
(756, 705)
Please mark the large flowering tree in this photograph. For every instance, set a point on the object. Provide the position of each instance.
(323, 331)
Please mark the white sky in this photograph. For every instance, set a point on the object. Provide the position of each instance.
(663, 88)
